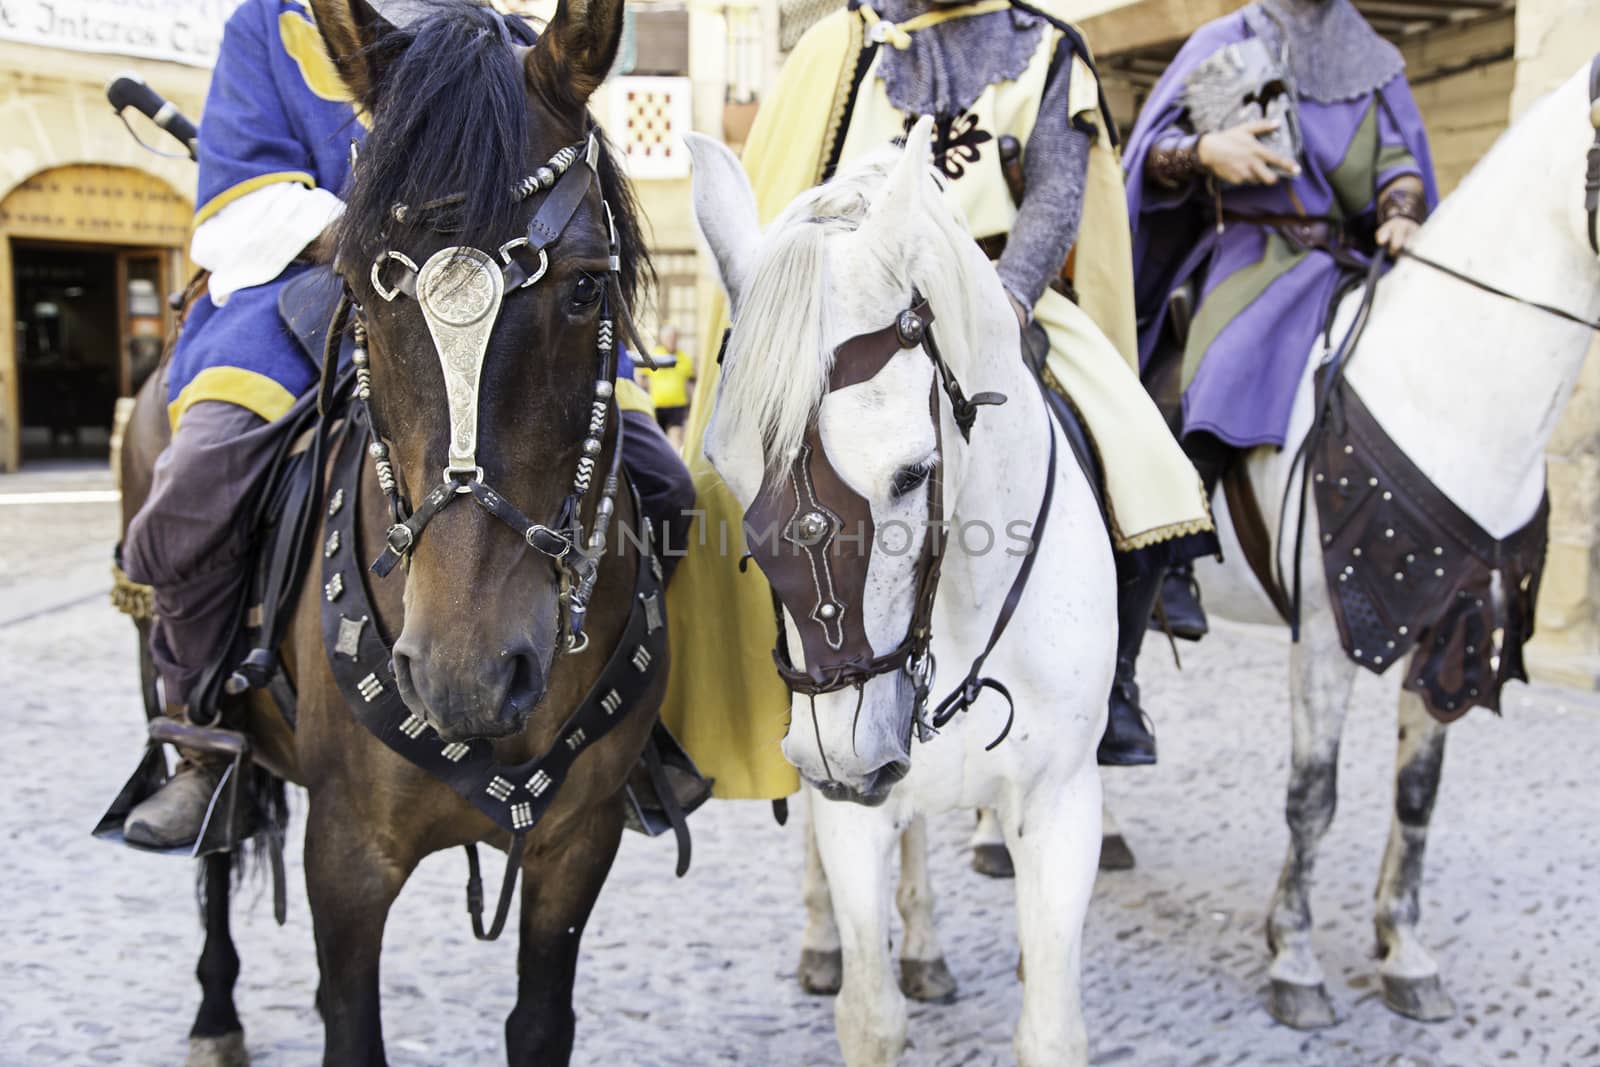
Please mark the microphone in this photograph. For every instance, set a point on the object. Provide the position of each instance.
(129, 90)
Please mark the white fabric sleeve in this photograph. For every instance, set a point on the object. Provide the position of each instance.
(253, 239)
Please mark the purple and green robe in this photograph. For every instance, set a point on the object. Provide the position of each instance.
(1262, 300)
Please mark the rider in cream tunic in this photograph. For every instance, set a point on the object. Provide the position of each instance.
(987, 70)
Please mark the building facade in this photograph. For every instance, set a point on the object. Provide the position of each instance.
(93, 228)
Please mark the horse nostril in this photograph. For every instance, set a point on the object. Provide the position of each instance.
(890, 773)
(527, 683)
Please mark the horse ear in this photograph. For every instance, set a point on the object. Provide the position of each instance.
(576, 51)
(725, 208)
(901, 195)
(349, 30)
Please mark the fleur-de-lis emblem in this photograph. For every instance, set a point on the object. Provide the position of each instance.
(955, 144)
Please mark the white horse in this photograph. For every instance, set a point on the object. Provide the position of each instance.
(1470, 385)
(841, 262)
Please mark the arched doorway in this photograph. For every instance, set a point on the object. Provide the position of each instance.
(88, 254)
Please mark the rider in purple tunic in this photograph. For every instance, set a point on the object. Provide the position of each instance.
(1264, 239)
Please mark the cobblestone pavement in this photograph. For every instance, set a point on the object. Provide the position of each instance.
(99, 944)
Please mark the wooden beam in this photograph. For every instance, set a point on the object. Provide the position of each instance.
(1151, 22)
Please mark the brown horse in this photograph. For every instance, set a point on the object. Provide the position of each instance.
(476, 617)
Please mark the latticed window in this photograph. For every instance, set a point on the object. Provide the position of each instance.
(795, 17)
(677, 296)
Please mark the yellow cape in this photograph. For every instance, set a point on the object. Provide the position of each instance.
(724, 701)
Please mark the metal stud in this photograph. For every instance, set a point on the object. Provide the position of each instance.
(378, 450)
(604, 389)
(827, 611)
(591, 446)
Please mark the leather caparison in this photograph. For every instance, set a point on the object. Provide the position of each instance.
(1409, 571)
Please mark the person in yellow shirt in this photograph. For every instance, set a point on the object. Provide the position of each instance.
(671, 388)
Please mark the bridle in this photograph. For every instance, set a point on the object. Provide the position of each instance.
(459, 290)
(806, 515)
(1591, 207)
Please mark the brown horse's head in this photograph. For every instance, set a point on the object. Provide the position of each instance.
(462, 108)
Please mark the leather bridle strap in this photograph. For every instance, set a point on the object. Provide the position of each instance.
(1494, 290)
(965, 694)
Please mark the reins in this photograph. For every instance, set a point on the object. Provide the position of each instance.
(1495, 290)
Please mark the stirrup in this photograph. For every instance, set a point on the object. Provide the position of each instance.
(232, 816)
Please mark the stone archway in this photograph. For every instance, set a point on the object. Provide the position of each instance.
(94, 206)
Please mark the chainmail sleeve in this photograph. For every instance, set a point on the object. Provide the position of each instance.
(1055, 166)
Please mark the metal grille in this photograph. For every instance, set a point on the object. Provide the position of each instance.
(795, 17)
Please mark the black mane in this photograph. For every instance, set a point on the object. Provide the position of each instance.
(449, 140)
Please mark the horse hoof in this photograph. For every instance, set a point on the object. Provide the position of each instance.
(1304, 1007)
(1115, 855)
(821, 973)
(993, 860)
(226, 1050)
(1423, 999)
(929, 981)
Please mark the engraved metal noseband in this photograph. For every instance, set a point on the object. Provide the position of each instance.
(459, 290)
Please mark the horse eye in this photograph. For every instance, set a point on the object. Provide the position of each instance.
(909, 479)
(585, 292)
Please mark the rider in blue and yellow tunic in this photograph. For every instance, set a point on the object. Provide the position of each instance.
(275, 150)
(988, 71)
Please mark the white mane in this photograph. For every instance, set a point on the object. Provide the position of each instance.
(781, 350)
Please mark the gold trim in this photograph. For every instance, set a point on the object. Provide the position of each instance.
(303, 41)
(249, 389)
(130, 597)
(843, 90)
(248, 186)
(1120, 542)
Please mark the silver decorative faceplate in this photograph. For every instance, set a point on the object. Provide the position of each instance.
(459, 290)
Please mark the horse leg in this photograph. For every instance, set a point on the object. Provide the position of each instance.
(560, 884)
(217, 1037)
(351, 886)
(1410, 976)
(1055, 840)
(1320, 681)
(989, 855)
(857, 849)
(1115, 855)
(924, 975)
(821, 962)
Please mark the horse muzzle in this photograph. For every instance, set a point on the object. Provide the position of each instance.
(480, 697)
(871, 791)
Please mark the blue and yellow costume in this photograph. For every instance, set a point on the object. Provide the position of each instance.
(276, 113)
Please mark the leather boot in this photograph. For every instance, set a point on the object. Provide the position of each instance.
(173, 815)
(1181, 608)
(1128, 740)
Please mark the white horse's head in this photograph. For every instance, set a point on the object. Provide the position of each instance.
(843, 534)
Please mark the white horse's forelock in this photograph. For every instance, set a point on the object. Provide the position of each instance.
(780, 352)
